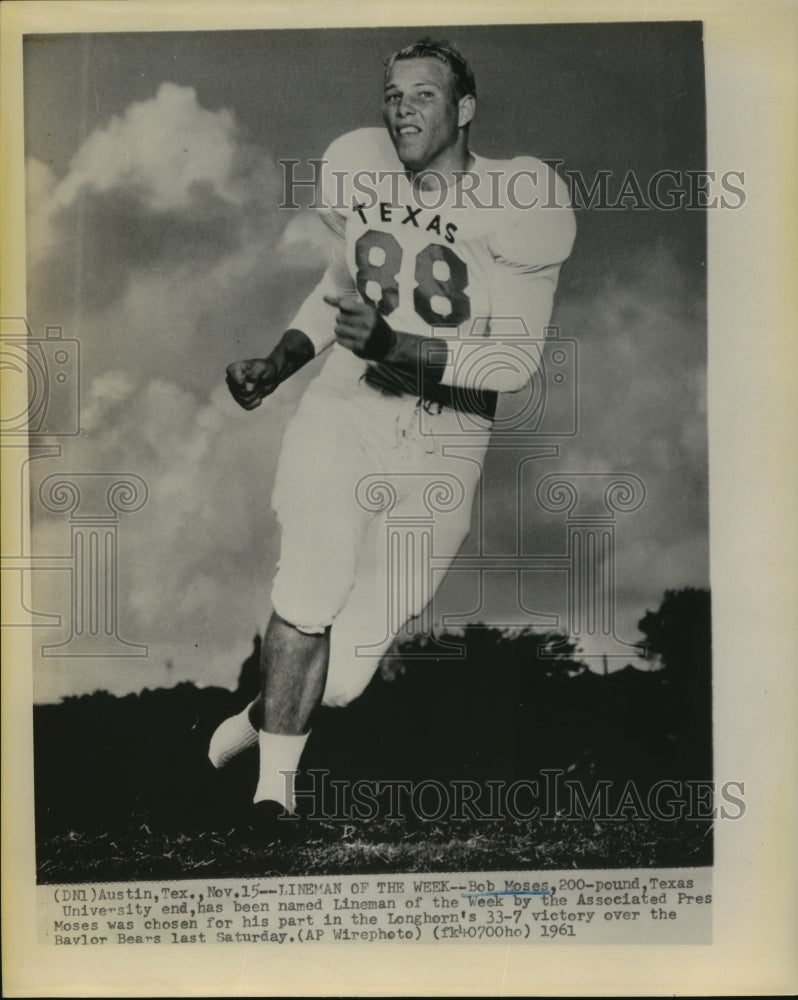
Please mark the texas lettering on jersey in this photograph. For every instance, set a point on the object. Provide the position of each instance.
(389, 213)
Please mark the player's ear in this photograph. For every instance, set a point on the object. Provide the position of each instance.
(466, 108)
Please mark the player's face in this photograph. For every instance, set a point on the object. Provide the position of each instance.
(421, 111)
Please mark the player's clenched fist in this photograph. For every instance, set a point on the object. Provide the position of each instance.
(251, 381)
(360, 328)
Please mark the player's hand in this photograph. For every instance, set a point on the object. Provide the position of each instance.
(360, 328)
(251, 381)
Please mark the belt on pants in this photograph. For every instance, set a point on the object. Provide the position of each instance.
(395, 382)
(478, 402)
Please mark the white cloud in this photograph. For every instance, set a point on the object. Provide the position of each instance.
(106, 392)
(305, 241)
(162, 146)
(168, 182)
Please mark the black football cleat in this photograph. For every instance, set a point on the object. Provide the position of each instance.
(270, 823)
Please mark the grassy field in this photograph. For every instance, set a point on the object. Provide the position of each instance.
(125, 792)
(330, 848)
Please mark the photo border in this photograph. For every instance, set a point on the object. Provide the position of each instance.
(753, 360)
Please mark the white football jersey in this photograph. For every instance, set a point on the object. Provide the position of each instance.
(474, 261)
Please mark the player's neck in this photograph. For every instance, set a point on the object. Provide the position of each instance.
(450, 165)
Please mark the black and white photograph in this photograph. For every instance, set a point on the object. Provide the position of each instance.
(357, 506)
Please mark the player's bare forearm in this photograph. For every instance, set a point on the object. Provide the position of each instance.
(252, 380)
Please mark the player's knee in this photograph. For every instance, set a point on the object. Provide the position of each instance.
(335, 698)
(311, 598)
(310, 609)
(341, 691)
(304, 629)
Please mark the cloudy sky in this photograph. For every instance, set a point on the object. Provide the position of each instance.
(155, 239)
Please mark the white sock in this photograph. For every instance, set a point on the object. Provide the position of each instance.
(279, 753)
(234, 735)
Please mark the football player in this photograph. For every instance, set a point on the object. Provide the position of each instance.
(438, 253)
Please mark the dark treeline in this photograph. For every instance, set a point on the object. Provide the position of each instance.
(506, 709)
